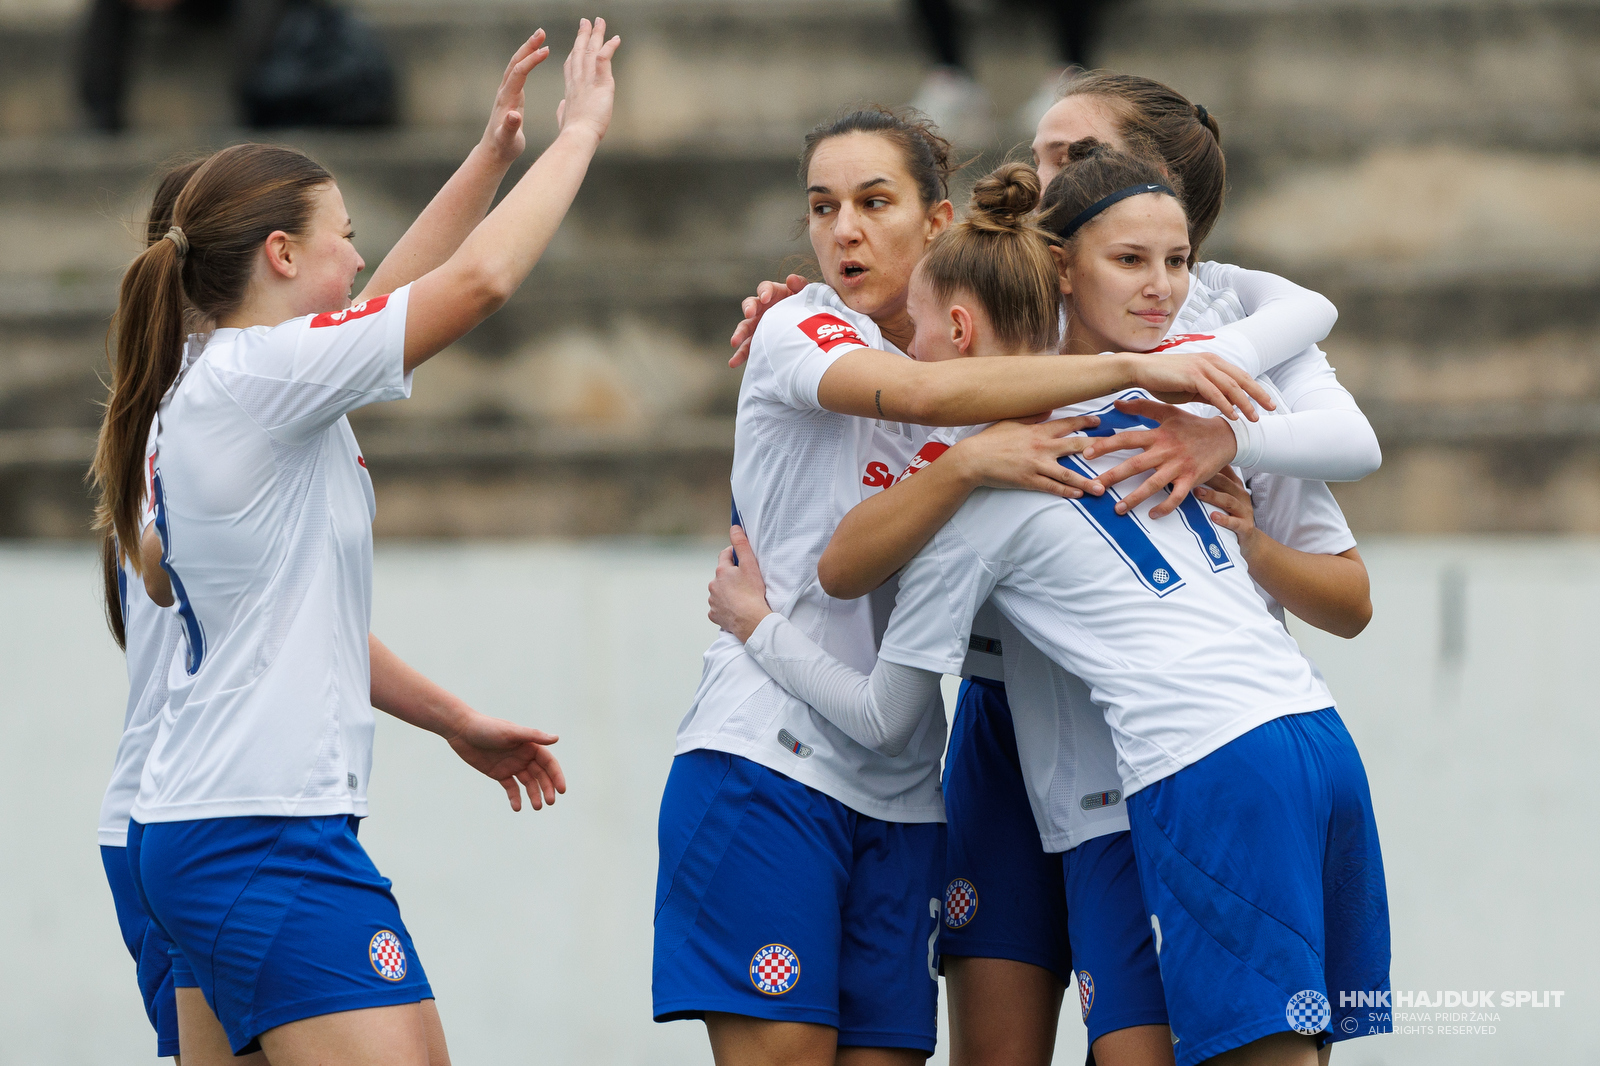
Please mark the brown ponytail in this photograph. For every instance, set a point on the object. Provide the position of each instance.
(201, 261)
(1185, 134)
(156, 226)
(999, 256)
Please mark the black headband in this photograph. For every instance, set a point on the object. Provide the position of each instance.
(1098, 206)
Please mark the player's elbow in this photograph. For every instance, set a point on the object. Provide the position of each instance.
(1353, 619)
(839, 580)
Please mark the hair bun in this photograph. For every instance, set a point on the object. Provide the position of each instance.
(1005, 198)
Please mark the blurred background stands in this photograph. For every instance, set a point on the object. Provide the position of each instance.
(1431, 165)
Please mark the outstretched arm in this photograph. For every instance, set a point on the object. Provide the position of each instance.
(499, 749)
(495, 259)
(456, 209)
(1331, 592)
(980, 389)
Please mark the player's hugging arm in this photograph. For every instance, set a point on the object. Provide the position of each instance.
(497, 256)
(883, 532)
(460, 205)
(1331, 592)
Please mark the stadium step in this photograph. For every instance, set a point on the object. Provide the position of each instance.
(1431, 166)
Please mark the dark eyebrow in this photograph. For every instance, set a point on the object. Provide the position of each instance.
(863, 187)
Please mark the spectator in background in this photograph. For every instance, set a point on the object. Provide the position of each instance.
(111, 29)
(952, 97)
(293, 62)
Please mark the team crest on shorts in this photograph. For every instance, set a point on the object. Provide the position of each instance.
(1308, 1012)
(388, 955)
(960, 903)
(774, 970)
(1085, 994)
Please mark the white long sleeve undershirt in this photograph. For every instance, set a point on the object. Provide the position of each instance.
(881, 711)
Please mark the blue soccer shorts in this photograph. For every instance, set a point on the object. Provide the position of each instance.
(776, 901)
(278, 919)
(1261, 871)
(1004, 896)
(150, 948)
(1119, 980)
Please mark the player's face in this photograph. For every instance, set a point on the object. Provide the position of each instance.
(867, 223)
(1070, 120)
(328, 258)
(1127, 276)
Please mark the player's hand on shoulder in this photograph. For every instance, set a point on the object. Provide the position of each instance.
(1020, 455)
(767, 294)
(511, 754)
(504, 137)
(591, 89)
(738, 595)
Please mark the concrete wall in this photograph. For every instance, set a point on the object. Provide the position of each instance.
(1471, 696)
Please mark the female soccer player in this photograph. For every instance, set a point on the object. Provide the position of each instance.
(992, 973)
(1007, 961)
(1203, 689)
(808, 932)
(242, 839)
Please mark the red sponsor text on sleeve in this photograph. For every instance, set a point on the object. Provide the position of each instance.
(828, 331)
(350, 314)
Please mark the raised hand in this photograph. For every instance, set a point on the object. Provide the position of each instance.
(1203, 377)
(1183, 451)
(738, 594)
(767, 294)
(591, 90)
(504, 138)
(511, 753)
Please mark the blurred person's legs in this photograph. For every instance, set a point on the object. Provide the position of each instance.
(949, 95)
(111, 28)
(1076, 25)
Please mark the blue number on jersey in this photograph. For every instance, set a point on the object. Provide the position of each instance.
(191, 623)
(1194, 515)
(1125, 535)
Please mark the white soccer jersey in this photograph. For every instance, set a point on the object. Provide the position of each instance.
(1159, 618)
(1065, 748)
(265, 510)
(798, 469)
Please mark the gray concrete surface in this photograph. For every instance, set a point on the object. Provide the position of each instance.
(1471, 695)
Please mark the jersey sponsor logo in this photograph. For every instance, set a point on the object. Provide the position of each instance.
(362, 459)
(774, 970)
(1085, 994)
(1181, 338)
(925, 455)
(1308, 1012)
(1096, 800)
(387, 954)
(788, 740)
(350, 314)
(877, 475)
(829, 331)
(960, 903)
